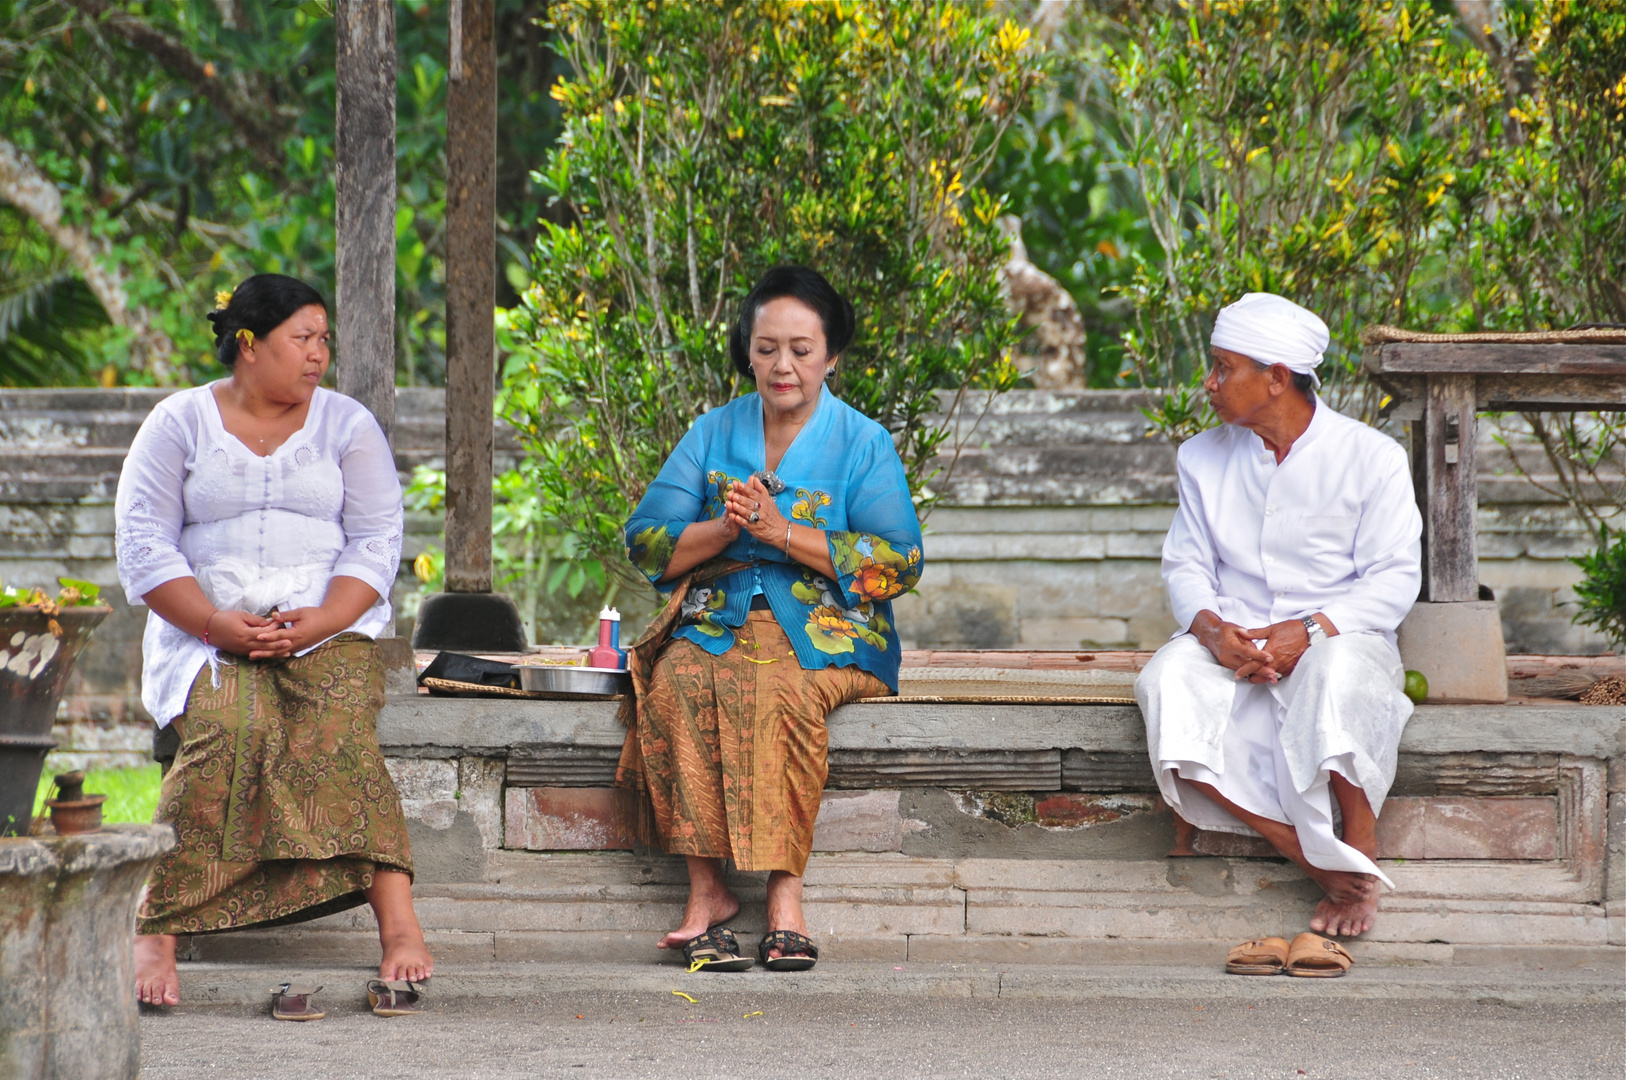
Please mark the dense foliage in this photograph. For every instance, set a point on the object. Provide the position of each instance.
(1601, 593)
(191, 144)
(1380, 160)
(704, 143)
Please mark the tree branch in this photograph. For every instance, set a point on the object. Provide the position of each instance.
(25, 187)
(264, 141)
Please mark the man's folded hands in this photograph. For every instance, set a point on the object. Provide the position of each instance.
(1260, 655)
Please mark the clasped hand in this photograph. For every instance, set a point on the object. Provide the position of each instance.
(1266, 654)
(744, 500)
(259, 637)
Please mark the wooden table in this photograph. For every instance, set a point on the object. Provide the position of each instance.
(1442, 385)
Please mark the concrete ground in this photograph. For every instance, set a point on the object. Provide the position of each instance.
(915, 1020)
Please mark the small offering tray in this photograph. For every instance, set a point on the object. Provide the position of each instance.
(595, 682)
(537, 678)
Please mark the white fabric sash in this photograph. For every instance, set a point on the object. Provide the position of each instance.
(236, 585)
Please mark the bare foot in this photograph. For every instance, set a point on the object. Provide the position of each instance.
(785, 906)
(1351, 904)
(405, 957)
(155, 979)
(709, 904)
(699, 914)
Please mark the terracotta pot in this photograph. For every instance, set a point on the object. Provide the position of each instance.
(35, 662)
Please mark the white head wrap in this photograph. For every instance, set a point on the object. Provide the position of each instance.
(1272, 329)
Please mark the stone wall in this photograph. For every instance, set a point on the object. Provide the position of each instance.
(996, 833)
(1047, 538)
(1053, 519)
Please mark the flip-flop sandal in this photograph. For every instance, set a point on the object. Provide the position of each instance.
(1264, 956)
(395, 997)
(797, 953)
(1315, 957)
(292, 1001)
(716, 950)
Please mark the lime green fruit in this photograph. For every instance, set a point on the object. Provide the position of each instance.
(1416, 686)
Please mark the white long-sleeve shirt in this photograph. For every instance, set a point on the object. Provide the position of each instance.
(1333, 529)
(257, 532)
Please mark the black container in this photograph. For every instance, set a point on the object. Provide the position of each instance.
(35, 663)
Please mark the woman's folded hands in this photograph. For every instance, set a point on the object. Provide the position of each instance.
(288, 632)
(751, 507)
(237, 632)
(298, 629)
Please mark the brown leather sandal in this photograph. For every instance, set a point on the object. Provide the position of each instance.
(292, 1001)
(1315, 957)
(1264, 956)
(796, 951)
(395, 997)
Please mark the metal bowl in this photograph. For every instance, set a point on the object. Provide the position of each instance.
(591, 682)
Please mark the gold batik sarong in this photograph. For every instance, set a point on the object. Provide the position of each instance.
(279, 798)
(729, 753)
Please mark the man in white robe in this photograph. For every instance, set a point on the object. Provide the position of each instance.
(1293, 557)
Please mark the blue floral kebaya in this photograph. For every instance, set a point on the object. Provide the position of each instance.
(840, 475)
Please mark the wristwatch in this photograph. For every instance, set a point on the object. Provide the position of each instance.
(1313, 628)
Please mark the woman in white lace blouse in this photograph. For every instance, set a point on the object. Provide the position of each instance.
(259, 518)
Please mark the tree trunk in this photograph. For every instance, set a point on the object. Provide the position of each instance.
(471, 292)
(364, 193)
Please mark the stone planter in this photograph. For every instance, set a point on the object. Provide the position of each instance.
(35, 662)
(67, 938)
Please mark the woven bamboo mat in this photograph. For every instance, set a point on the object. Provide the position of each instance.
(453, 688)
(1382, 335)
(1001, 699)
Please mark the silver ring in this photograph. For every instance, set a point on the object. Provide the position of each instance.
(754, 518)
(756, 506)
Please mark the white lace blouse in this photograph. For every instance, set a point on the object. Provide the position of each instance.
(257, 532)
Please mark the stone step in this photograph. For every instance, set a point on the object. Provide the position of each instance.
(615, 905)
(1537, 977)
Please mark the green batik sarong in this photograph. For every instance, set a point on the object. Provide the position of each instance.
(279, 798)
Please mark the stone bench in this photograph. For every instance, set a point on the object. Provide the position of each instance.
(999, 833)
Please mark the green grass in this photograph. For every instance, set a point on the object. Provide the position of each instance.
(132, 794)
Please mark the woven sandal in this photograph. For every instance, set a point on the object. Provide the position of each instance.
(395, 997)
(716, 950)
(292, 1001)
(1264, 956)
(1315, 957)
(798, 953)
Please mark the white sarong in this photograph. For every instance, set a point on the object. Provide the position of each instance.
(1270, 748)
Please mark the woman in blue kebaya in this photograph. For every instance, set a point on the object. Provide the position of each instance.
(784, 523)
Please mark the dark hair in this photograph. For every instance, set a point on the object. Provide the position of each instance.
(259, 305)
(810, 287)
(1303, 381)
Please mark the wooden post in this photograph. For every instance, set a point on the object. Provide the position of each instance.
(1451, 496)
(364, 194)
(471, 296)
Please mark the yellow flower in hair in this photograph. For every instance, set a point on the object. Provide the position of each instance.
(222, 298)
(245, 336)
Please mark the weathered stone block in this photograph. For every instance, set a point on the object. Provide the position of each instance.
(1232, 845)
(67, 941)
(1615, 855)
(479, 781)
(428, 789)
(1092, 633)
(562, 819)
(1467, 828)
(1458, 647)
(979, 617)
(859, 821)
(1070, 810)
